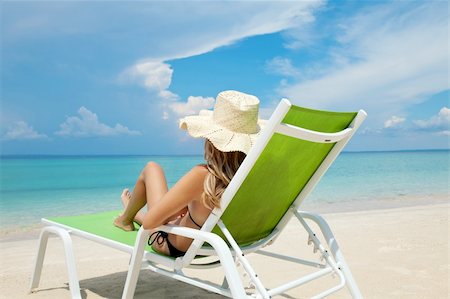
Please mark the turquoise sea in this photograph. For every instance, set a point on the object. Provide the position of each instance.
(33, 187)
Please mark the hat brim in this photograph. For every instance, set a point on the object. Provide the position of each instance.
(203, 125)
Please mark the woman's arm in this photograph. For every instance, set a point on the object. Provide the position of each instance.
(188, 188)
(178, 214)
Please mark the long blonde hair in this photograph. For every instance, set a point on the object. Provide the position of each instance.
(221, 167)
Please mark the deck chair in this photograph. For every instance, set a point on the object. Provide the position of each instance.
(294, 150)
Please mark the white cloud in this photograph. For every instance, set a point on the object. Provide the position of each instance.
(394, 121)
(302, 37)
(381, 68)
(439, 123)
(281, 66)
(20, 130)
(210, 27)
(155, 76)
(193, 105)
(444, 133)
(249, 19)
(155, 33)
(369, 131)
(162, 29)
(87, 124)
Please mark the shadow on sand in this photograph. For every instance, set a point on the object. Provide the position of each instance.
(150, 285)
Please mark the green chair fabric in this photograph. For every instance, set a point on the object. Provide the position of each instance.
(278, 176)
(100, 224)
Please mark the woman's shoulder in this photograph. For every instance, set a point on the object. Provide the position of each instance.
(200, 170)
(197, 172)
(195, 178)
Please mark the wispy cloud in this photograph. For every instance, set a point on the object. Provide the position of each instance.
(20, 130)
(153, 70)
(394, 121)
(443, 133)
(87, 124)
(438, 124)
(382, 68)
(249, 19)
(156, 31)
(281, 66)
(192, 106)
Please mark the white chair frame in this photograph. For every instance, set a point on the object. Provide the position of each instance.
(333, 260)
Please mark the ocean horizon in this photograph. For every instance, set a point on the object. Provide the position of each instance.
(201, 155)
(36, 186)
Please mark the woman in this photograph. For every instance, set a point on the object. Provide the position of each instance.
(230, 131)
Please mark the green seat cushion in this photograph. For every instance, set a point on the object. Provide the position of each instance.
(100, 224)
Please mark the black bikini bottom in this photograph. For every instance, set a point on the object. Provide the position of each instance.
(160, 237)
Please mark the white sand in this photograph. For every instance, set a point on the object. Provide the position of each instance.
(393, 253)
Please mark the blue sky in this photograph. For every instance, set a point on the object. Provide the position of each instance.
(114, 77)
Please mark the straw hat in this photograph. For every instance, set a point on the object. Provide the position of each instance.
(232, 126)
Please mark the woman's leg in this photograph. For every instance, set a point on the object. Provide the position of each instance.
(150, 187)
(126, 197)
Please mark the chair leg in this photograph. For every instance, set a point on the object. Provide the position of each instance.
(335, 250)
(74, 285)
(37, 269)
(135, 264)
(240, 256)
(232, 278)
(221, 248)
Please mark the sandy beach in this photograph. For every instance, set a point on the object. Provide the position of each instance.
(395, 249)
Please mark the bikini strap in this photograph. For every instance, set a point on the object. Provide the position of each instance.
(192, 219)
(160, 237)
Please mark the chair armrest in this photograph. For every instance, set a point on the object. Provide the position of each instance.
(314, 136)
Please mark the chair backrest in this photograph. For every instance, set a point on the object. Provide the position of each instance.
(282, 168)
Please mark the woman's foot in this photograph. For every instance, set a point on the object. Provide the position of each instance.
(120, 222)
